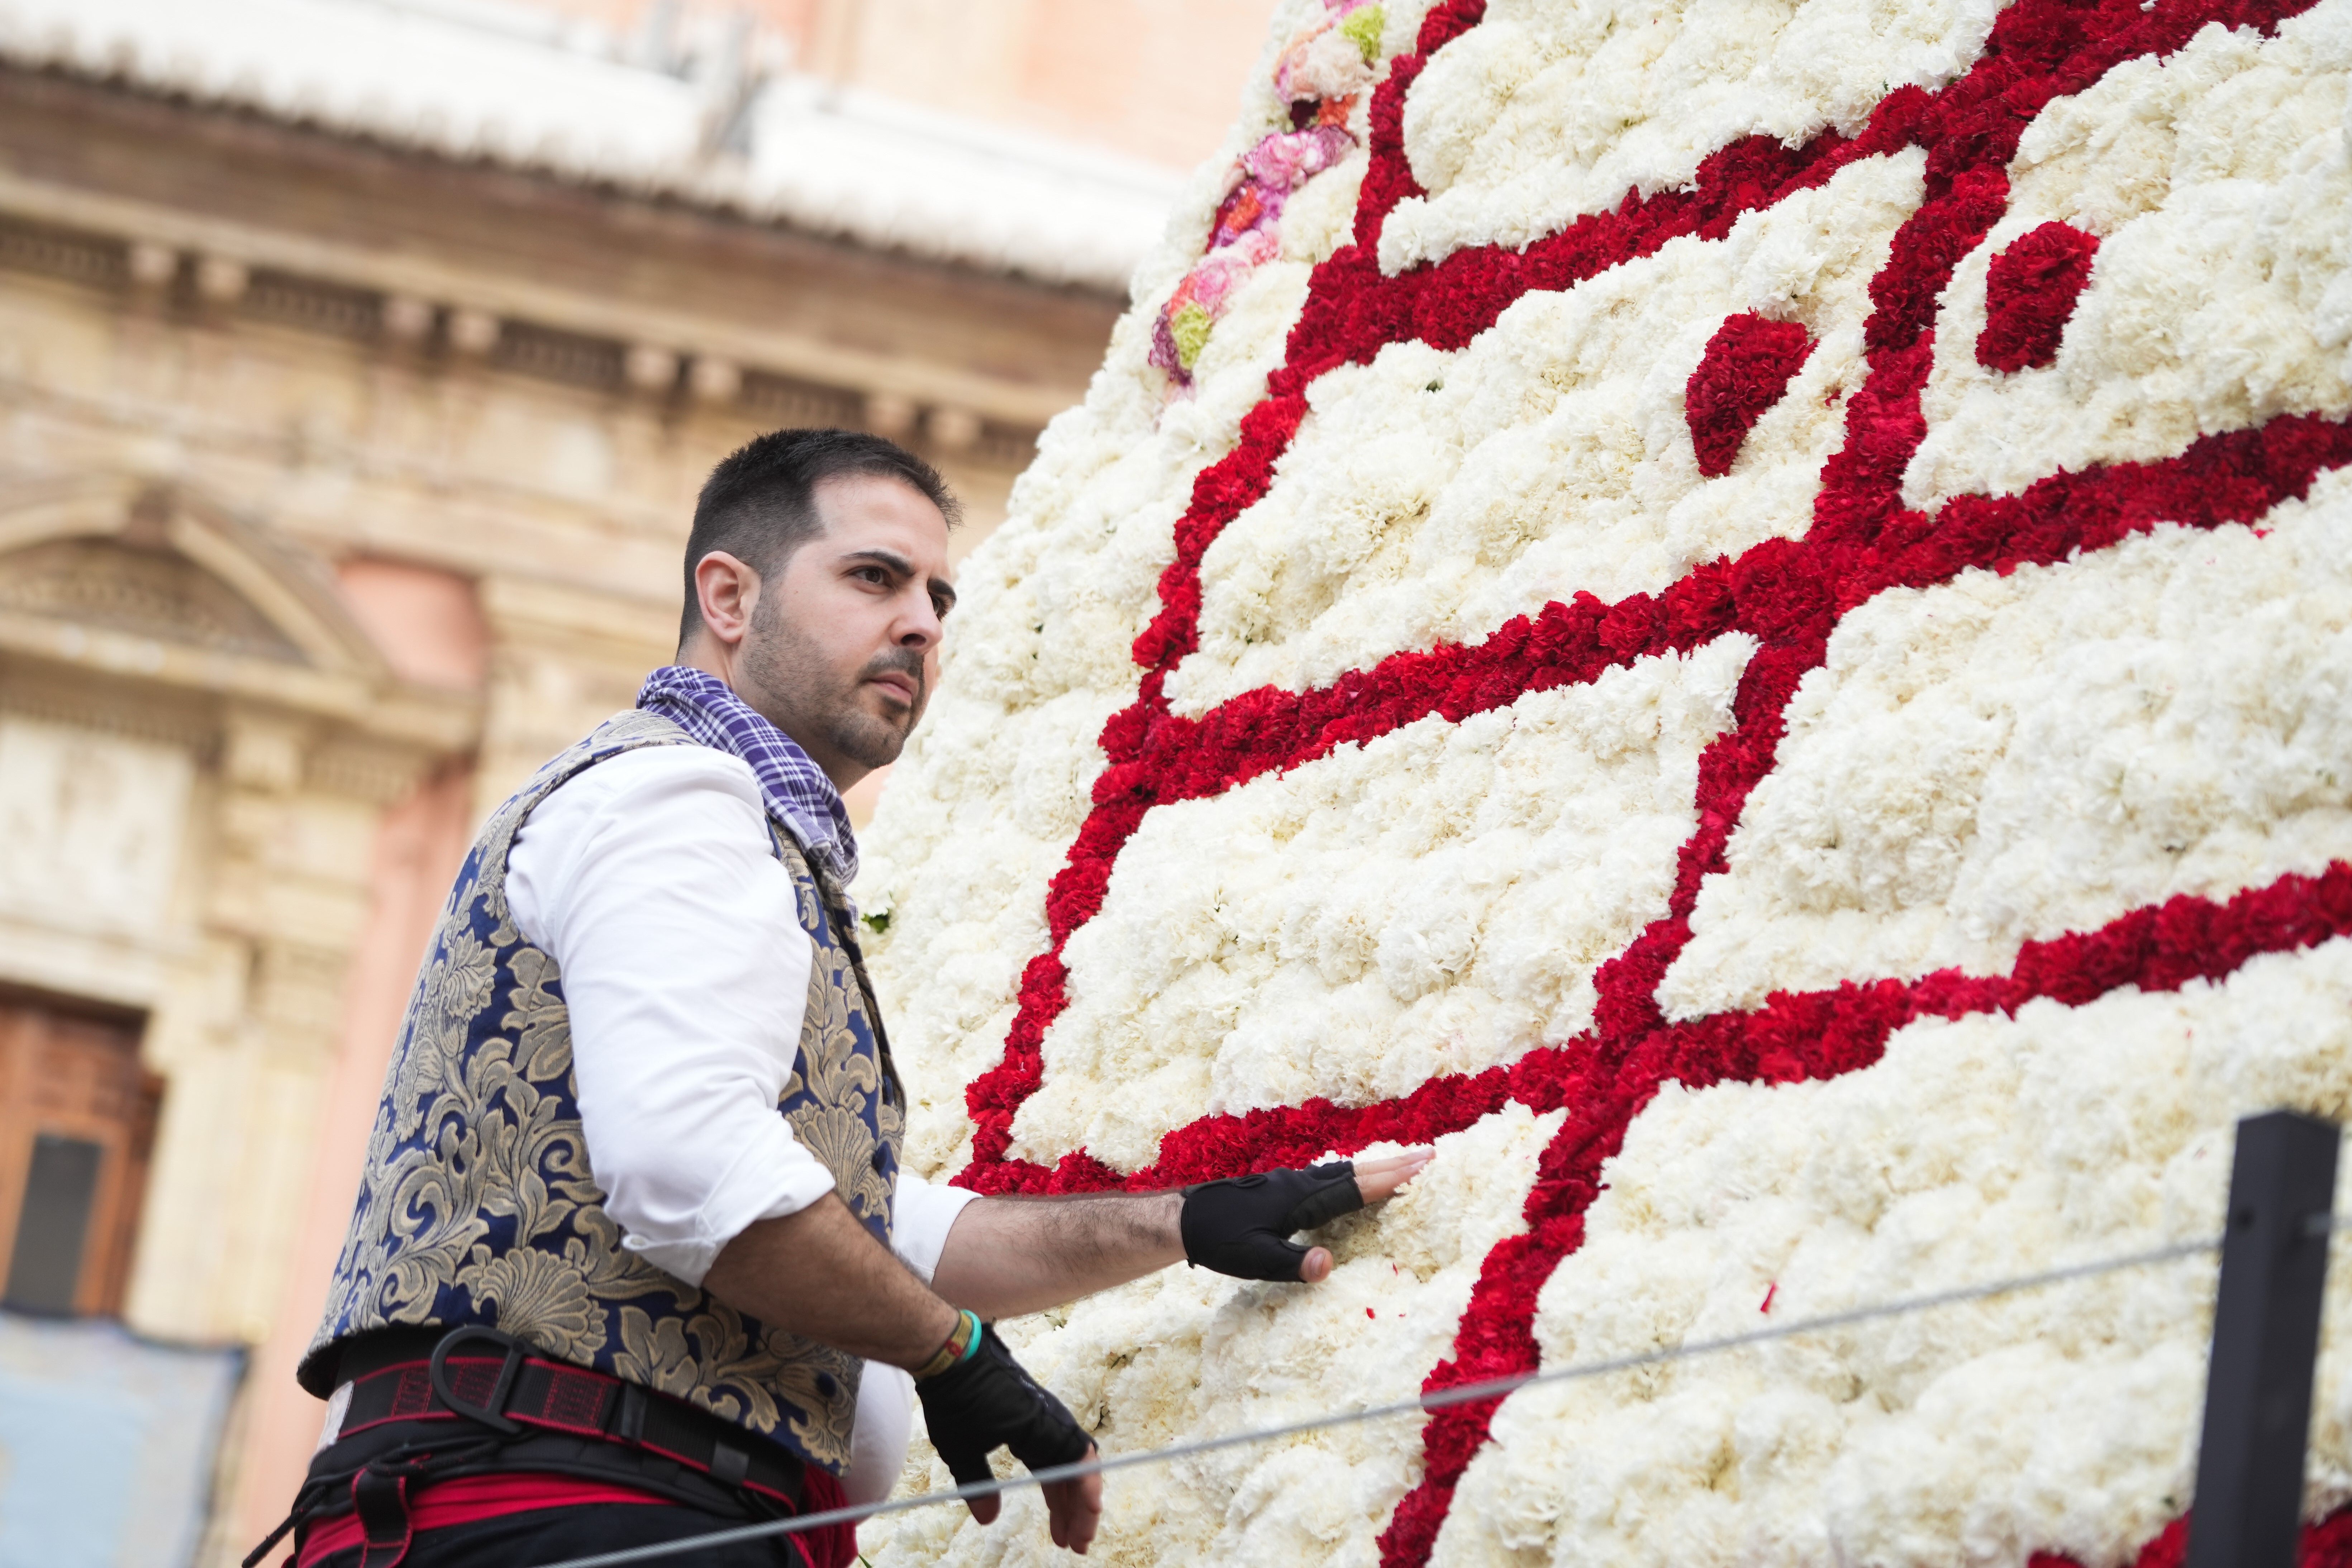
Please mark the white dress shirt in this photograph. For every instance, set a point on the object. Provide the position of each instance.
(651, 880)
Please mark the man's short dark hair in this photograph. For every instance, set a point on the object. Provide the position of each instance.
(759, 504)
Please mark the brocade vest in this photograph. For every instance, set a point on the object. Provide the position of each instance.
(478, 1204)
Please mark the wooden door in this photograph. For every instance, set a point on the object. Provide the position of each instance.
(77, 1124)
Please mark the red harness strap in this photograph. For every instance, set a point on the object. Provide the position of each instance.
(464, 1500)
(516, 1391)
(499, 1401)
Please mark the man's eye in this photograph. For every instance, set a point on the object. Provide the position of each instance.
(871, 575)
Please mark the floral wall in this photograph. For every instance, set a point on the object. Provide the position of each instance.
(1741, 614)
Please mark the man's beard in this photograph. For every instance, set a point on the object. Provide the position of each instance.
(811, 700)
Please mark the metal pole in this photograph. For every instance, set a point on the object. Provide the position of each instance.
(2247, 1512)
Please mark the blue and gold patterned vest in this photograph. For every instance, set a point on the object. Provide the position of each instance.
(479, 1205)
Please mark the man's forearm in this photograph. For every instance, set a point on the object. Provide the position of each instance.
(1005, 1257)
(822, 1275)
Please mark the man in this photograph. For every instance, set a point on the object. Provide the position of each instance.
(632, 1259)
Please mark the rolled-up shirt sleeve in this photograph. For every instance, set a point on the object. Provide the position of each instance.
(921, 1214)
(651, 879)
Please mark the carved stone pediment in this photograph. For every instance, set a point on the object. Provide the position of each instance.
(158, 561)
(147, 586)
(149, 590)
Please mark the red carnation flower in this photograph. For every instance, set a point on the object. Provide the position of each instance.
(2030, 294)
(1748, 365)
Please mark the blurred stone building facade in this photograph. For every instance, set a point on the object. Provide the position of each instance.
(359, 361)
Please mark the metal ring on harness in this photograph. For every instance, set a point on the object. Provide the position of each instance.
(489, 1415)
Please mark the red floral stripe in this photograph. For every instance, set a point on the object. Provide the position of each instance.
(1792, 1036)
(1157, 757)
(1781, 590)
(1605, 1082)
(1791, 593)
(1788, 594)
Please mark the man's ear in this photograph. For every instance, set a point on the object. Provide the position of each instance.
(727, 591)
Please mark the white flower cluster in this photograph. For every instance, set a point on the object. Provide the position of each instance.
(1429, 497)
(1996, 760)
(1546, 112)
(1433, 902)
(2223, 294)
(983, 806)
(1186, 1354)
(2165, 717)
(2062, 1420)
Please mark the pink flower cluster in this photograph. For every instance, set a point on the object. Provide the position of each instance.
(1319, 75)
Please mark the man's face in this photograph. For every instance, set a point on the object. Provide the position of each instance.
(844, 645)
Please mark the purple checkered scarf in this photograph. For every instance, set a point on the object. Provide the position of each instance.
(795, 788)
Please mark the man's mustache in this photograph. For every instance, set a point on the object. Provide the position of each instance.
(904, 661)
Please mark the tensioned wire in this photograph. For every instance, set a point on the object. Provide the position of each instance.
(1440, 1399)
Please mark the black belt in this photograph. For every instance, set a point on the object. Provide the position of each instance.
(420, 1410)
(514, 1390)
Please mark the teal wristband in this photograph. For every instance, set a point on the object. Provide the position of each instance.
(956, 1349)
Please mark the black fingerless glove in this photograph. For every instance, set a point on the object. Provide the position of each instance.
(1242, 1227)
(986, 1401)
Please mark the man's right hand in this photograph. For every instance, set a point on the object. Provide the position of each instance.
(987, 1401)
(1242, 1225)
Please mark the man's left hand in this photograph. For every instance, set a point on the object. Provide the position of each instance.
(988, 1400)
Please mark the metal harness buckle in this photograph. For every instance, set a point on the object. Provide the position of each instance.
(491, 1411)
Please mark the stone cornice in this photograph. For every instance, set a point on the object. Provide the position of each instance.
(859, 376)
(732, 130)
(213, 215)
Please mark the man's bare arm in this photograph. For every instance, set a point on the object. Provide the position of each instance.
(822, 1275)
(1005, 1257)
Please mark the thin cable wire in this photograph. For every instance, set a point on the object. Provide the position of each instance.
(1441, 1399)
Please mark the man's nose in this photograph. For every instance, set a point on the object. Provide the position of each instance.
(919, 626)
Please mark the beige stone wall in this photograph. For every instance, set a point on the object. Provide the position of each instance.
(322, 522)
(1153, 78)
(1157, 79)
